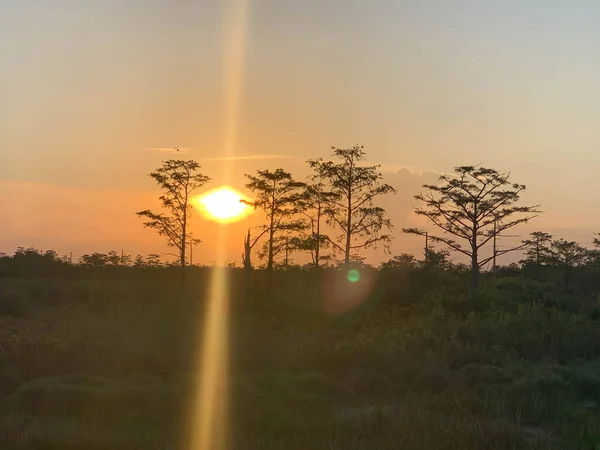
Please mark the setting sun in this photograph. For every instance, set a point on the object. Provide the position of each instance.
(223, 205)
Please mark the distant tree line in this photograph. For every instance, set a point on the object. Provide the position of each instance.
(333, 215)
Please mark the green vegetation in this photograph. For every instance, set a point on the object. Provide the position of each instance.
(402, 358)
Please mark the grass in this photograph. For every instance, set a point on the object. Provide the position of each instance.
(101, 365)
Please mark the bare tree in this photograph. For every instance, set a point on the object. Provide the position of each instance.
(351, 207)
(474, 205)
(178, 180)
(276, 194)
(247, 255)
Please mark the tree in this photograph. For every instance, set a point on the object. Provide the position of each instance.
(246, 256)
(474, 205)
(351, 206)
(153, 260)
(113, 259)
(178, 180)
(537, 248)
(138, 262)
(276, 194)
(594, 254)
(313, 204)
(437, 258)
(404, 260)
(94, 260)
(567, 254)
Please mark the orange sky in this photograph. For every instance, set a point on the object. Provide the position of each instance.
(91, 88)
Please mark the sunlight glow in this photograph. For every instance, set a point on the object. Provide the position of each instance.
(210, 410)
(223, 205)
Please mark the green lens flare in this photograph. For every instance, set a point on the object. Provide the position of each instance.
(353, 276)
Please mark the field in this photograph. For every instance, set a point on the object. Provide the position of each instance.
(394, 361)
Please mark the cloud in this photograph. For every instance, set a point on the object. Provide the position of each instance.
(395, 168)
(249, 157)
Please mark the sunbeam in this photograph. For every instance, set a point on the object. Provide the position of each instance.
(210, 430)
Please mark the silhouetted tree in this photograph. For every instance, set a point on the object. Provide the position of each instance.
(34, 262)
(178, 180)
(474, 205)
(437, 258)
(351, 206)
(276, 194)
(113, 259)
(567, 254)
(247, 255)
(94, 260)
(537, 248)
(402, 260)
(138, 262)
(154, 260)
(594, 254)
(312, 204)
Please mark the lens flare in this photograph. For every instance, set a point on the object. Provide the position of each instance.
(345, 290)
(353, 276)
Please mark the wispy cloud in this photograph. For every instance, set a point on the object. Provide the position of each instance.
(249, 157)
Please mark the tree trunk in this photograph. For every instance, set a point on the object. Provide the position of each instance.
(318, 243)
(184, 241)
(349, 218)
(348, 232)
(270, 256)
(348, 239)
(474, 264)
(474, 274)
(183, 247)
(474, 254)
(246, 257)
(182, 258)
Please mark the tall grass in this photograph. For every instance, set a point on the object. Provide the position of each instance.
(110, 365)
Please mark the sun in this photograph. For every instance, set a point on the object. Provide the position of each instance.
(223, 205)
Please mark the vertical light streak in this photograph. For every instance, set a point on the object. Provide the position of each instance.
(210, 410)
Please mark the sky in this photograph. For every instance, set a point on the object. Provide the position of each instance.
(91, 91)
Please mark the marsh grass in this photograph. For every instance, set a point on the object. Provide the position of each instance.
(101, 365)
